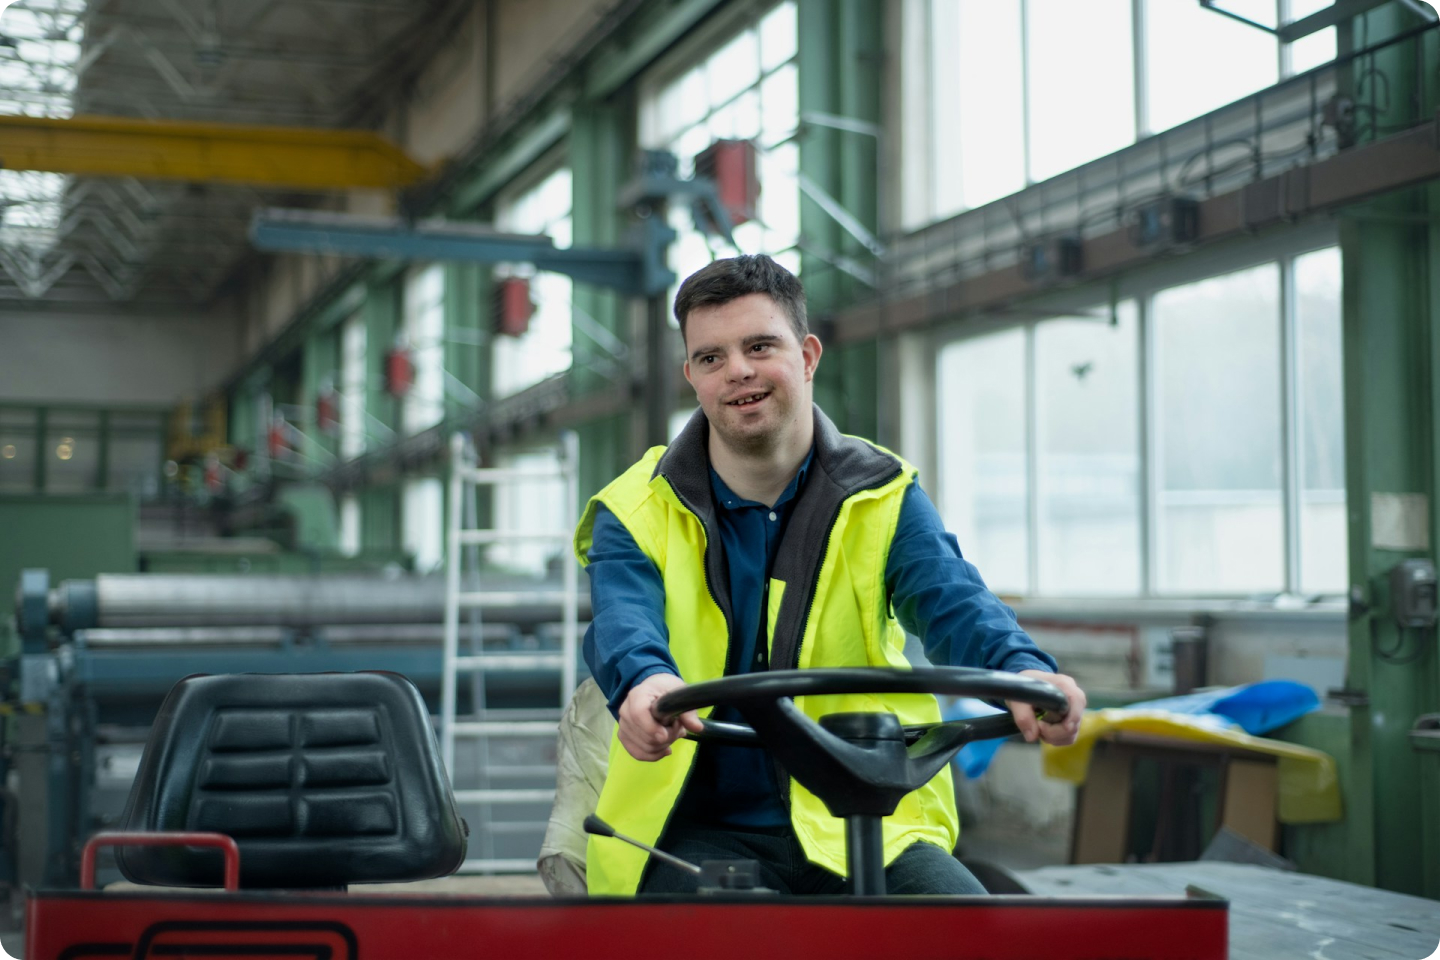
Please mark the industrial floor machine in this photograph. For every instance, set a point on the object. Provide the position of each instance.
(286, 789)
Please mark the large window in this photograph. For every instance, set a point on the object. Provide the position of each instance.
(544, 349)
(425, 335)
(745, 89)
(1051, 485)
(352, 387)
(1000, 95)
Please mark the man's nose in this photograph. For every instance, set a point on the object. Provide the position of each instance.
(740, 367)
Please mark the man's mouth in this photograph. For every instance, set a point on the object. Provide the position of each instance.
(747, 400)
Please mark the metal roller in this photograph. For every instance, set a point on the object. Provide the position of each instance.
(250, 600)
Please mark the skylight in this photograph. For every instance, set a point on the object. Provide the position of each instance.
(39, 65)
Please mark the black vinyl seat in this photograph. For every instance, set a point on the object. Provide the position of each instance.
(322, 779)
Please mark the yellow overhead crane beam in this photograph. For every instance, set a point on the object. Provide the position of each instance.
(287, 157)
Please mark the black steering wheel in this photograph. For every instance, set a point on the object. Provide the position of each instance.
(860, 765)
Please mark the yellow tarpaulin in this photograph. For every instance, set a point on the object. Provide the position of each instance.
(1309, 788)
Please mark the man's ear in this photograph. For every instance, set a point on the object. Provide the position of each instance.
(686, 368)
(811, 349)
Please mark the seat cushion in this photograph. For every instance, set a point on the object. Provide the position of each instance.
(322, 779)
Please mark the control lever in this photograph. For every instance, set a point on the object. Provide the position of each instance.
(716, 876)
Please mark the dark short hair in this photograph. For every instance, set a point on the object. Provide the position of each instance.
(726, 280)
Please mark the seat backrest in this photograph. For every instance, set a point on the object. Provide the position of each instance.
(322, 779)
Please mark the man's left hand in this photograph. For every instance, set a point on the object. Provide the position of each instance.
(1058, 734)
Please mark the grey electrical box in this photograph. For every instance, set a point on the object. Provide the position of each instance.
(1413, 592)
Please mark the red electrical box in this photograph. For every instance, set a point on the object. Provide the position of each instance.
(327, 411)
(513, 307)
(399, 371)
(732, 165)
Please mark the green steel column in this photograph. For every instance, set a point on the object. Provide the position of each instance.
(382, 320)
(380, 505)
(841, 44)
(1391, 274)
(320, 367)
(601, 139)
(467, 337)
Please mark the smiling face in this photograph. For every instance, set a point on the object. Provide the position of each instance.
(751, 374)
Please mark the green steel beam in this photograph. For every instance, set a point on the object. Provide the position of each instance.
(1390, 313)
(841, 45)
(600, 158)
(621, 62)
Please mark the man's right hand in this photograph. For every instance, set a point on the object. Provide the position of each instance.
(641, 734)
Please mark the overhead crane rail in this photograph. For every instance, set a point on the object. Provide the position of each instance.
(258, 156)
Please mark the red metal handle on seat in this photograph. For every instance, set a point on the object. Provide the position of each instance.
(174, 838)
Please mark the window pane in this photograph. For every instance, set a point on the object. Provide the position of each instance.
(778, 36)
(349, 525)
(982, 454)
(72, 460)
(1182, 40)
(17, 458)
(1079, 53)
(1217, 368)
(423, 523)
(979, 104)
(1323, 533)
(1309, 52)
(543, 350)
(1089, 456)
(528, 507)
(732, 69)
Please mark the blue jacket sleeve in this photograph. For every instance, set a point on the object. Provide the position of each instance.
(627, 639)
(938, 595)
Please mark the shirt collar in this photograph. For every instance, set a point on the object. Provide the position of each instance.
(730, 500)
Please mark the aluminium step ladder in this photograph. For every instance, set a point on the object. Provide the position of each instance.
(509, 744)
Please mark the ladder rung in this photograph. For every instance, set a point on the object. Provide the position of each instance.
(497, 866)
(510, 828)
(507, 728)
(502, 474)
(495, 536)
(501, 771)
(510, 661)
(510, 598)
(505, 796)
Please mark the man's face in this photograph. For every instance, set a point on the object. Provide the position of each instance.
(750, 373)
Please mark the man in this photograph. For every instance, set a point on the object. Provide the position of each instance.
(763, 538)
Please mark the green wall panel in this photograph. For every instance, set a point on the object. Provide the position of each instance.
(73, 537)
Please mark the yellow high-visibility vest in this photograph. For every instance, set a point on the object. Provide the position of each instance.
(827, 608)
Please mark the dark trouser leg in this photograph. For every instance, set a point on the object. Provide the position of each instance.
(924, 868)
(697, 843)
(921, 869)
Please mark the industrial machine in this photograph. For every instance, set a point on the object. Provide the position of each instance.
(278, 748)
(99, 655)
